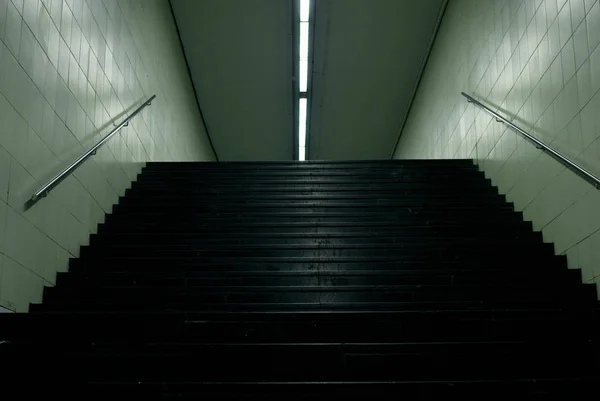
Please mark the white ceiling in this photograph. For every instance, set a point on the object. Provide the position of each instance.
(240, 56)
(368, 54)
(367, 58)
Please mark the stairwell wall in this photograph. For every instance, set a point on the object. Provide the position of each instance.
(538, 62)
(68, 71)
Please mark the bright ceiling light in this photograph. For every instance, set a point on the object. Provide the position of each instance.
(303, 77)
(304, 41)
(302, 123)
(304, 10)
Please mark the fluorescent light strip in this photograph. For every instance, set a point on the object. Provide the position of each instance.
(302, 123)
(303, 77)
(304, 10)
(304, 41)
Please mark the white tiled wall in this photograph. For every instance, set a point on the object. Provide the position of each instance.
(538, 62)
(69, 69)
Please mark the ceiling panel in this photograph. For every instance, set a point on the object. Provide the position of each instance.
(367, 58)
(240, 57)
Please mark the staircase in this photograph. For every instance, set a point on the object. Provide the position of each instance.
(312, 280)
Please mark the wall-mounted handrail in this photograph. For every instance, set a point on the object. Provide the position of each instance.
(539, 144)
(43, 191)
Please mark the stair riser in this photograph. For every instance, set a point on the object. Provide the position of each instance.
(173, 281)
(308, 192)
(222, 191)
(464, 228)
(241, 220)
(223, 209)
(290, 322)
(533, 264)
(203, 182)
(358, 164)
(408, 327)
(304, 297)
(266, 278)
(325, 213)
(399, 253)
(494, 390)
(240, 239)
(337, 174)
(334, 366)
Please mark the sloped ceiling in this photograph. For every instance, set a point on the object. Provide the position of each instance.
(366, 62)
(368, 54)
(240, 56)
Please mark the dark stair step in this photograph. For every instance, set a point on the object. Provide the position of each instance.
(169, 222)
(336, 361)
(264, 198)
(463, 228)
(268, 278)
(334, 209)
(408, 244)
(359, 165)
(228, 228)
(215, 239)
(318, 173)
(329, 173)
(250, 195)
(375, 251)
(172, 218)
(303, 296)
(294, 165)
(414, 189)
(383, 183)
(106, 306)
(526, 322)
(342, 205)
(317, 212)
(442, 180)
(468, 390)
(366, 211)
(201, 181)
(533, 264)
(201, 279)
(330, 191)
(450, 185)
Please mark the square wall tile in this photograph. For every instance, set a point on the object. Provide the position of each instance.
(4, 174)
(595, 70)
(21, 186)
(20, 238)
(19, 287)
(12, 29)
(3, 232)
(593, 26)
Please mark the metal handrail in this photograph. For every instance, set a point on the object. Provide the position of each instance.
(539, 144)
(43, 191)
